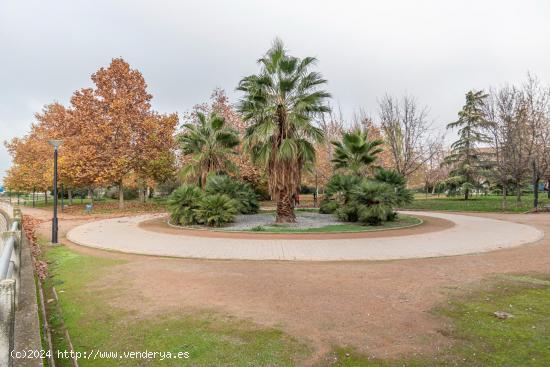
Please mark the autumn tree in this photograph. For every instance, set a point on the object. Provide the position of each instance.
(31, 168)
(156, 160)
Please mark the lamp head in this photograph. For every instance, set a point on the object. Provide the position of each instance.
(55, 142)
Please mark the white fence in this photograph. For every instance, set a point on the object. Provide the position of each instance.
(10, 275)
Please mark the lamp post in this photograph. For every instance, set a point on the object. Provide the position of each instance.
(56, 144)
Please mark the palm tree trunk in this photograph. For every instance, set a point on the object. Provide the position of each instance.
(285, 210)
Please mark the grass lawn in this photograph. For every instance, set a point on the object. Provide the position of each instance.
(103, 206)
(402, 221)
(481, 339)
(210, 339)
(490, 203)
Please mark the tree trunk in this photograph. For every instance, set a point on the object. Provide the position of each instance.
(549, 189)
(46, 197)
(141, 194)
(285, 210)
(33, 198)
(147, 193)
(466, 194)
(536, 180)
(504, 197)
(91, 195)
(70, 195)
(120, 195)
(518, 194)
(535, 192)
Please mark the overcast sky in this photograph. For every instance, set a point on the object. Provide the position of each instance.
(434, 50)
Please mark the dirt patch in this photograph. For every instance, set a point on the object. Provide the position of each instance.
(429, 224)
(380, 308)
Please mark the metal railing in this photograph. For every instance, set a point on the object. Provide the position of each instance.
(10, 276)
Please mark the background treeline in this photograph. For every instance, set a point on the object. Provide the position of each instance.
(113, 139)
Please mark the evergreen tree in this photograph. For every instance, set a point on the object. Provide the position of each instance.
(465, 157)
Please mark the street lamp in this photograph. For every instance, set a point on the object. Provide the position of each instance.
(56, 144)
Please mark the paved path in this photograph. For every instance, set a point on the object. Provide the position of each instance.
(470, 234)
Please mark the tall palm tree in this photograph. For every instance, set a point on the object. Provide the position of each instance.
(209, 144)
(279, 104)
(356, 151)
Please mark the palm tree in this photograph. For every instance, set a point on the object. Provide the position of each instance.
(209, 144)
(356, 152)
(279, 104)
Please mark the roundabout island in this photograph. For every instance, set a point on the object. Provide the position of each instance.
(440, 234)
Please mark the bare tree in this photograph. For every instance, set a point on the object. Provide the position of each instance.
(499, 132)
(406, 131)
(513, 114)
(520, 135)
(536, 101)
(434, 171)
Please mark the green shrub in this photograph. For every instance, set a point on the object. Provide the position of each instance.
(339, 187)
(398, 181)
(241, 192)
(356, 199)
(337, 195)
(183, 203)
(375, 202)
(347, 212)
(216, 210)
(328, 206)
(258, 229)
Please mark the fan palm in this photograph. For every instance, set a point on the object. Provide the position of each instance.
(279, 104)
(209, 144)
(356, 151)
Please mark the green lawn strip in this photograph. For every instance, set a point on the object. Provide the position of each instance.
(489, 203)
(210, 339)
(403, 221)
(480, 338)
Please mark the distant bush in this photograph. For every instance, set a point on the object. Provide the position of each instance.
(305, 190)
(129, 193)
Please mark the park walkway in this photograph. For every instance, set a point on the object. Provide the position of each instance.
(470, 234)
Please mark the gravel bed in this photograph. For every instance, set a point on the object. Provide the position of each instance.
(304, 220)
